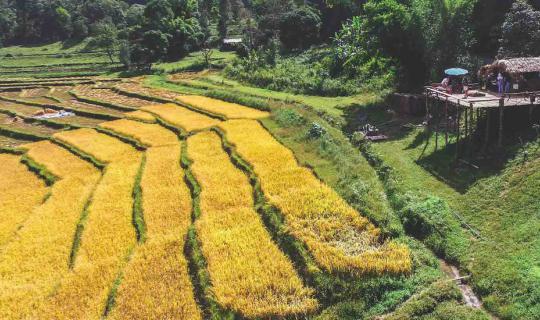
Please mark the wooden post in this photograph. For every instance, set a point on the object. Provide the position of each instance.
(458, 116)
(486, 136)
(471, 127)
(466, 128)
(501, 118)
(437, 130)
(446, 119)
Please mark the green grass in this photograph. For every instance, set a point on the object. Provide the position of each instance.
(60, 60)
(45, 49)
(504, 206)
(334, 106)
(194, 61)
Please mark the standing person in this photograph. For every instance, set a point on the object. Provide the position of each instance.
(500, 83)
(507, 82)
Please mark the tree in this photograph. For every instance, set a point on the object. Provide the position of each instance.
(8, 22)
(107, 39)
(151, 47)
(223, 18)
(520, 31)
(300, 27)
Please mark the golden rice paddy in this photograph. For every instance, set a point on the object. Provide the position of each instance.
(32, 266)
(108, 236)
(338, 237)
(248, 272)
(158, 263)
(227, 109)
(20, 192)
(140, 115)
(111, 243)
(181, 117)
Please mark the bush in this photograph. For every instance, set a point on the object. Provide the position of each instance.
(303, 74)
(289, 118)
(316, 131)
(430, 220)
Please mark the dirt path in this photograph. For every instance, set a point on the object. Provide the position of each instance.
(469, 297)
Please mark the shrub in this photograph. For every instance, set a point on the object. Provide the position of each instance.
(289, 118)
(430, 219)
(316, 131)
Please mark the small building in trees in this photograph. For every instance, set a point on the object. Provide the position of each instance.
(524, 73)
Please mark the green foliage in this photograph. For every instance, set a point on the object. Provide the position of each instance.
(169, 31)
(520, 31)
(299, 28)
(431, 220)
(306, 74)
(289, 117)
(106, 39)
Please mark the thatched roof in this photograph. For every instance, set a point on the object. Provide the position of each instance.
(518, 65)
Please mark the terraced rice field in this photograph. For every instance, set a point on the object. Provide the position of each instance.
(108, 95)
(137, 88)
(20, 125)
(20, 192)
(227, 109)
(339, 238)
(10, 142)
(30, 111)
(180, 117)
(159, 226)
(233, 237)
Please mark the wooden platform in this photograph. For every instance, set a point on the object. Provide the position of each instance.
(490, 100)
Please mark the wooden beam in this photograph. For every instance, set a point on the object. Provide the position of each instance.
(471, 129)
(501, 118)
(446, 119)
(466, 129)
(458, 116)
(437, 130)
(486, 134)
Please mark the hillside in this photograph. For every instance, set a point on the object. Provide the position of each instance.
(238, 159)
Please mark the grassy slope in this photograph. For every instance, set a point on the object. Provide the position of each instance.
(331, 105)
(193, 60)
(52, 48)
(504, 207)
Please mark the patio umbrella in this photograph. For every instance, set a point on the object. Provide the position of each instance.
(456, 72)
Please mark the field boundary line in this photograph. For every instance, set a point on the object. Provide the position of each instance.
(197, 264)
(79, 228)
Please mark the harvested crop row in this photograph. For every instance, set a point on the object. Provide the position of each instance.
(110, 96)
(338, 237)
(156, 282)
(83, 106)
(108, 235)
(140, 115)
(138, 89)
(181, 117)
(227, 109)
(20, 192)
(248, 272)
(32, 266)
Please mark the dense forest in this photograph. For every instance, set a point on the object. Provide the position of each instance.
(374, 44)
